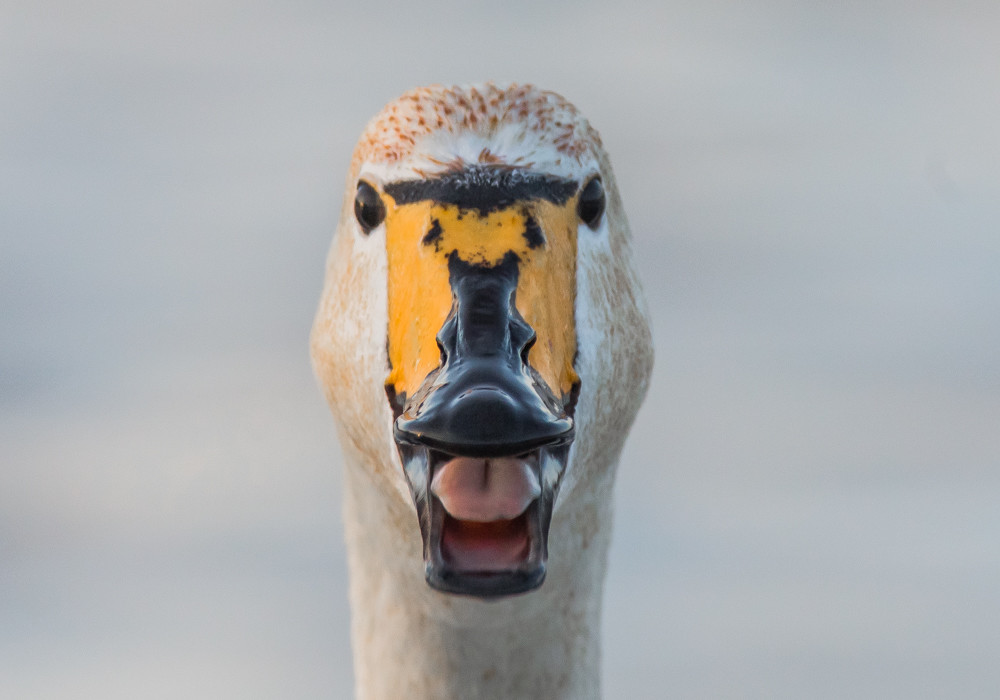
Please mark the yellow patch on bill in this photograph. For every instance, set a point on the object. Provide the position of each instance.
(420, 238)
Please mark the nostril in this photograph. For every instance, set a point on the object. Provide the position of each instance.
(522, 336)
(447, 336)
(530, 343)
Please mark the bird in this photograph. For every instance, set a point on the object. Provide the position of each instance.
(484, 345)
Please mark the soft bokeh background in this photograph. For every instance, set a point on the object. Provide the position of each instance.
(808, 507)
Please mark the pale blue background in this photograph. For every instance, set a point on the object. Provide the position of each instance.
(809, 505)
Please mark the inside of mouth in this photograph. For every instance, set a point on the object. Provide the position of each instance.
(487, 506)
(475, 547)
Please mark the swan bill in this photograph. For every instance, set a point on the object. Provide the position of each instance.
(481, 347)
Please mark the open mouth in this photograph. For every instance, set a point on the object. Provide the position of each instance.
(484, 520)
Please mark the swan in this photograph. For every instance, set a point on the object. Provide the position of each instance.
(484, 346)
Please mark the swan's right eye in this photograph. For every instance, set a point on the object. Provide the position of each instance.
(591, 203)
(368, 207)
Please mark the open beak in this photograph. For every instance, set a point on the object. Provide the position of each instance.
(484, 443)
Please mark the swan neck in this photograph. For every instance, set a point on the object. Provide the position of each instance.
(411, 641)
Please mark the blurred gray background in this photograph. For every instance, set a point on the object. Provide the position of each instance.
(808, 507)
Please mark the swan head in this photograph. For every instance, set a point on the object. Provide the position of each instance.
(482, 339)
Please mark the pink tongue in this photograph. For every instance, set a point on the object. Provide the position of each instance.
(484, 490)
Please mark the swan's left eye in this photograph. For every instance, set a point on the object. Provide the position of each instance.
(590, 206)
(368, 207)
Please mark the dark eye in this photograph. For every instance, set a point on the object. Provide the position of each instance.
(591, 203)
(368, 207)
